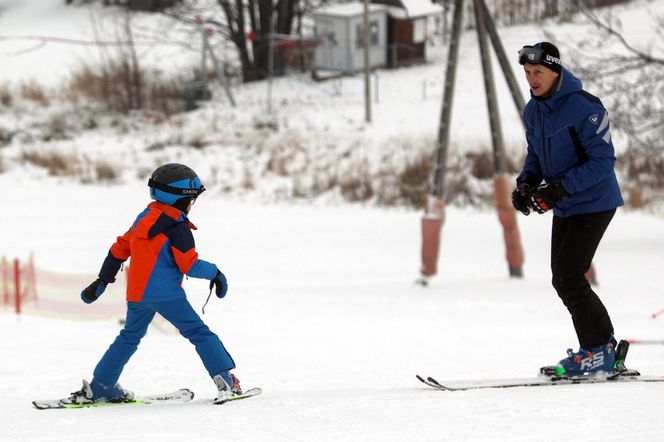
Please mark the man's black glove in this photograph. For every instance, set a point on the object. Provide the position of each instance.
(547, 196)
(220, 285)
(92, 292)
(521, 197)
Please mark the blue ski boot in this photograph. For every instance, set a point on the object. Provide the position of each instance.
(598, 360)
(110, 394)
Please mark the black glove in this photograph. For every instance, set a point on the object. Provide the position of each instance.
(521, 197)
(220, 285)
(547, 196)
(92, 292)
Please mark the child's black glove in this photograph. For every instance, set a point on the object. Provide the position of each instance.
(92, 292)
(220, 285)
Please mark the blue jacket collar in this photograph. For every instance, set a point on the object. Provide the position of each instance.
(567, 84)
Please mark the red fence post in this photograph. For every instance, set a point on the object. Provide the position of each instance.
(17, 285)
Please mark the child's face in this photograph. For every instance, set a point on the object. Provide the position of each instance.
(191, 204)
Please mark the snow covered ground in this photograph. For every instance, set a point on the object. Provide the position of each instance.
(321, 137)
(323, 314)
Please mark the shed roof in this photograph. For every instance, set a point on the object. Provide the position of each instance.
(405, 9)
(347, 9)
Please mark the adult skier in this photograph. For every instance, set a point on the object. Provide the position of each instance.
(570, 149)
(161, 246)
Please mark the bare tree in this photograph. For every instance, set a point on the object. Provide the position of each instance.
(248, 25)
(628, 77)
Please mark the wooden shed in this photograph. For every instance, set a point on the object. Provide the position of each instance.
(407, 22)
(341, 30)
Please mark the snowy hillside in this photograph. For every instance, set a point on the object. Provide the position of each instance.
(314, 145)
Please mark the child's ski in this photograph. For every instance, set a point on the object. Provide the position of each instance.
(182, 395)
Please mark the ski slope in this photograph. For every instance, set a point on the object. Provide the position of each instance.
(322, 313)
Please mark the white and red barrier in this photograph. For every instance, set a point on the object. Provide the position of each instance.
(27, 289)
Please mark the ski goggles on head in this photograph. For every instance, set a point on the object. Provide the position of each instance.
(183, 191)
(534, 55)
(531, 55)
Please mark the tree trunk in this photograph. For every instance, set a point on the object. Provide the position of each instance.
(261, 13)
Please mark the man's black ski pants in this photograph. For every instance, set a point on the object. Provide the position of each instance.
(574, 240)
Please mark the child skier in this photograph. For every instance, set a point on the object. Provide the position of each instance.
(161, 246)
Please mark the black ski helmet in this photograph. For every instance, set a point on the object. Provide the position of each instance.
(175, 184)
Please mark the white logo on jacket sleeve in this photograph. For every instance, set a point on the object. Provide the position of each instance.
(604, 125)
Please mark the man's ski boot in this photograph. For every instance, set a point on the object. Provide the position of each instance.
(228, 385)
(596, 362)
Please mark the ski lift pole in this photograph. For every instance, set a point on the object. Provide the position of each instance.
(434, 215)
(270, 59)
(501, 182)
(367, 65)
(512, 84)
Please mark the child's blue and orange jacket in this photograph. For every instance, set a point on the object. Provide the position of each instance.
(162, 251)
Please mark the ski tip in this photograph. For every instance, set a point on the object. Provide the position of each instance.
(246, 394)
(45, 405)
(422, 380)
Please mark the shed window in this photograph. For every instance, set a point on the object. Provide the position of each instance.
(419, 28)
(373, 34)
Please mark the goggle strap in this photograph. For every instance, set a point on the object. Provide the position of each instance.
(175, 190)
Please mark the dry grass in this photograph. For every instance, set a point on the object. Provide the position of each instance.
(356, 188)
(6, 136)
(71, 166)
(35, 92)
(356, 184)
(6, 98)
(56, 164)
(105, 172)
(197, 142)
(643, 177)
(481, 164)
(57, 129)
(414, 180)
(119, 89)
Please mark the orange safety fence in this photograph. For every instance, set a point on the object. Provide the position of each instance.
(27, 289)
